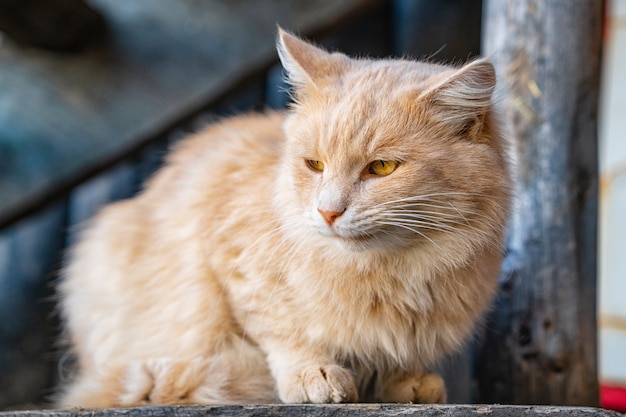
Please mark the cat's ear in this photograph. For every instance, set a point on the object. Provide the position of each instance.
(463, 97)
(308, 65)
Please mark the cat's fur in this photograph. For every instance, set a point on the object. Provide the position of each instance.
(223, 282)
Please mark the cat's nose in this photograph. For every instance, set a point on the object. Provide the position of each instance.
(330, 215)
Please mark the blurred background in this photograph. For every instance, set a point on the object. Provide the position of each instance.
(93, 93)
(612, 250)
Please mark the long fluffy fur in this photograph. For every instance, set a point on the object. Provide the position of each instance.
(221, 282)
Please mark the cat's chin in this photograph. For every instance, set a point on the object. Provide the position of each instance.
(355, 243)
(379, 243)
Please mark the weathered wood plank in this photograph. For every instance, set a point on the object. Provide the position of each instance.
(161, 60)
(151, 158)
(55, 24)
(343, 410)
(540, 343)
(29, 253)
(115, 184)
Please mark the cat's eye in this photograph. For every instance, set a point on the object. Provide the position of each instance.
(315, 165)
(382, 168)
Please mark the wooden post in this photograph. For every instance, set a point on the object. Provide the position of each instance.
(540, 342)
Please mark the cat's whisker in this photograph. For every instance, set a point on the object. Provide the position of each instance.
(443, 205)
(425, 197)
(291, 252)
(454, 223)
(408, 227)
(428, 214)
(231, 270)
(466, 217)
(446, 220)
(286, 238)
(417, 202)
(446, 225)
(282, 227)
(458, 211)
(427, 225)
(427, 222)
(267, 235)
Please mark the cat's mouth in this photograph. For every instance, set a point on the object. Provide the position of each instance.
(353, 238)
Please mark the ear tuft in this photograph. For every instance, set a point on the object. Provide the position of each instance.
(469, 87)
(464, 96)
(306, 64)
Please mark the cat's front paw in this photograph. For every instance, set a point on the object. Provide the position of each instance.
(423, 388)
(320, 384)
(163, 381)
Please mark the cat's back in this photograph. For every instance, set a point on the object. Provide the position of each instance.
(208, 176)
(225, 152)
(207, 171)
(119, 274)
(233, 137)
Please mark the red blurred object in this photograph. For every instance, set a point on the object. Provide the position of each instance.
(613, 398)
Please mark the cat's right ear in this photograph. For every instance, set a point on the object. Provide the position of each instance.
(308, 65)
(463, 97)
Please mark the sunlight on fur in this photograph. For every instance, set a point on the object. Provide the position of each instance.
(330, 253)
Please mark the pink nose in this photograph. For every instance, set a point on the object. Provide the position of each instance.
(330, 216)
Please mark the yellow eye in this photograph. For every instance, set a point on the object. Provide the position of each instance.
(316, 165)
(382, 168)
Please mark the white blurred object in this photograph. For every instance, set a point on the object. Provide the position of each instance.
(612, 255)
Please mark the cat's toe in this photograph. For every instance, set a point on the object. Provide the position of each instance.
(423, 388)
(322, 384)
(162, 381)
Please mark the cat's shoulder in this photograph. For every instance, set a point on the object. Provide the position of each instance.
(233, 134)
(258, 123)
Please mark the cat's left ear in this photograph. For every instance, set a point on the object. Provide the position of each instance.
(308, 65)
(463, 97)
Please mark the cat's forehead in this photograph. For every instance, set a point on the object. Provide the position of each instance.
(369, 112)
(378, 96)
(391, 75)
(375, 106)
(351, 134)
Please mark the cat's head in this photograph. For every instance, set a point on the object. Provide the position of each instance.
(392, 153)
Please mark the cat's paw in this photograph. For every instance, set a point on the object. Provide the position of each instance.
(163, 381)
(423, 388)
(320, 384)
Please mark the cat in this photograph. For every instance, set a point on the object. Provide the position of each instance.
(330, 253)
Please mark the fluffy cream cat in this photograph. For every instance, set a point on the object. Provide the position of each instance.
(328, 254)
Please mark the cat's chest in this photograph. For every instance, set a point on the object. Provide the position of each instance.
(370, 321)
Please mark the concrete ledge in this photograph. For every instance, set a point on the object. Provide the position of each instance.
(347, 410)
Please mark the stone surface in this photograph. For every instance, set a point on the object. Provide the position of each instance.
(344, 410)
